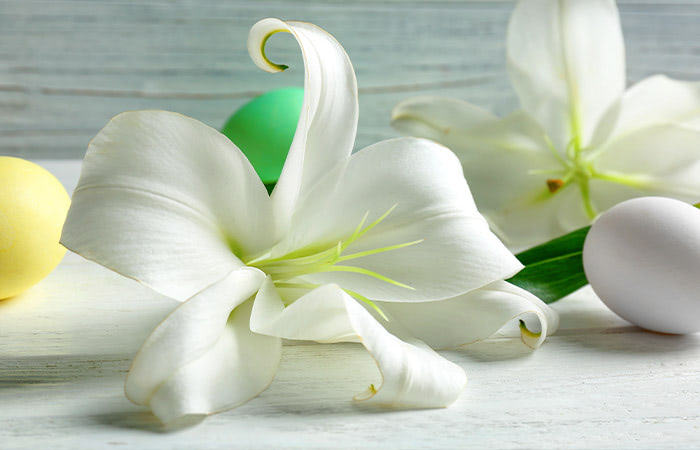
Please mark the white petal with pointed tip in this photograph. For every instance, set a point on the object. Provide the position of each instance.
(659, 160)
(566, 61)
(163, 198)
(203, 358)
(472, 317)
(327, 125)
(413, 375)
(655, 148)
(433, 203)
(659, 100)
(441, 119)
(505, 161)
(656, 143)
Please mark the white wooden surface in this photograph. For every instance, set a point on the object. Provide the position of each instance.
(67, 66)
(66, 345)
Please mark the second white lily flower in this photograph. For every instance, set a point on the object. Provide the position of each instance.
(342, 242)
(581, 143)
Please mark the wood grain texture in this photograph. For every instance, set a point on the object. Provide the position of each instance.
(67, 66)
(66, 346)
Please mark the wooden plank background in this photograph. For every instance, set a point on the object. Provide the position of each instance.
(66, 67)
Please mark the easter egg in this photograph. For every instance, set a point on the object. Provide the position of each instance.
(33, 207)
(264, 129)
(642, 258)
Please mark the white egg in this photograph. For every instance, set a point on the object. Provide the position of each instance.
(642, 258)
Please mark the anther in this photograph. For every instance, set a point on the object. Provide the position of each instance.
(554, 184)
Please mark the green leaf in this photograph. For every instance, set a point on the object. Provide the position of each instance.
(554, 269)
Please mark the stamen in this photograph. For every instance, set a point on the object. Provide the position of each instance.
(292, 258)
(370, 303)
(553, 149)
(572, 148)
(294, 285)
(379, 250)
(358, 229)
(354, 269)
(358, 234)
(285, 269)
(632, 180)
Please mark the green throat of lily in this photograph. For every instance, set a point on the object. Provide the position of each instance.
(578, 169)
(287, 271)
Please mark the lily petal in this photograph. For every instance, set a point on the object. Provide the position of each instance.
(203, 358)
(442, 119)
(517, 204)
(424, 182)
(328, 122)
(414, 376)
(512, 147)
(655, 145)
(566, 61)
(656, 160)
(539, 218)
(164, 199)
(658, 100)
(472, 317)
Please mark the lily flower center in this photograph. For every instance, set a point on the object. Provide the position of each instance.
(578, 169)
(288, 271)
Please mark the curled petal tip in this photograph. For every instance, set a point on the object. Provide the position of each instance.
(257, 39)
(529, 338)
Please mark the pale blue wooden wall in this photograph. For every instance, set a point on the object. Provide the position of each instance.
(66, 67)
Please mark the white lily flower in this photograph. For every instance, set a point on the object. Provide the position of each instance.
(345, 249)
(581, 143)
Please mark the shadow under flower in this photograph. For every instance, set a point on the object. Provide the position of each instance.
(145, 421)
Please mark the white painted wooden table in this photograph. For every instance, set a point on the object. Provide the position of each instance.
(66, 345)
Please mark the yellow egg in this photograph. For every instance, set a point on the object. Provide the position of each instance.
(33, 207)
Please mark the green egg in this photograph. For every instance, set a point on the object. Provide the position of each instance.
(264, 129)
